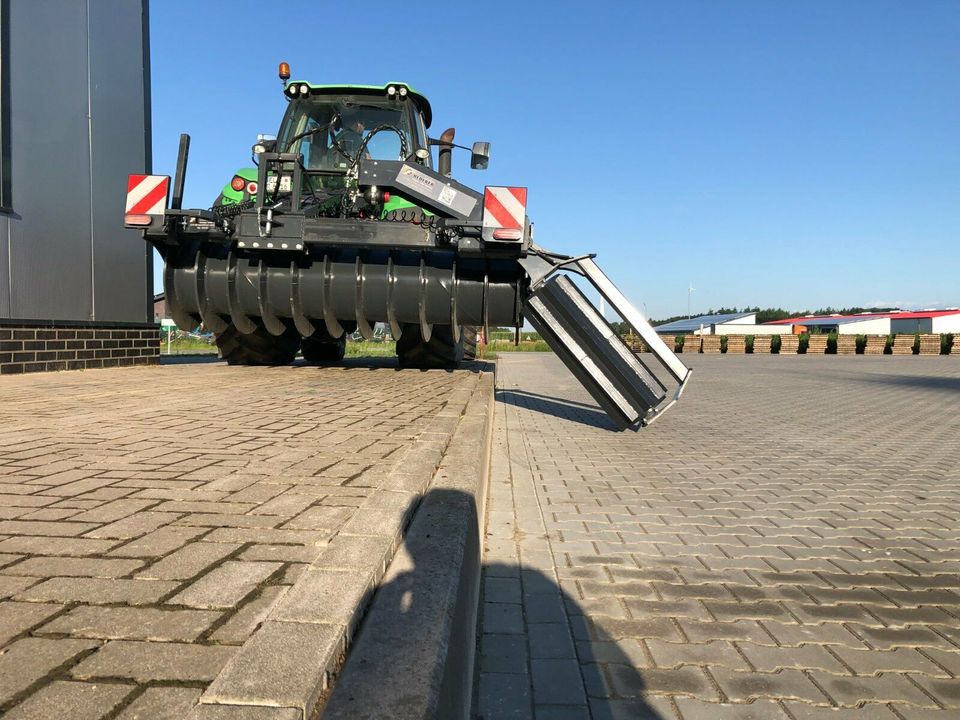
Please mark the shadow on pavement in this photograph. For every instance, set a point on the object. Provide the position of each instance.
(379, 362)
(557, 407)
(563, 401)
(189, 359)
(372, 362)
(538, 653)
(927, 382)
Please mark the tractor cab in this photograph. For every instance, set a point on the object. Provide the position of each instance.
(334, 127)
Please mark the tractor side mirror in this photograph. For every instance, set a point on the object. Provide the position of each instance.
(480, 155)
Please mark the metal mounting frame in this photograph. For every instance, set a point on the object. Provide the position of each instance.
(621, 386)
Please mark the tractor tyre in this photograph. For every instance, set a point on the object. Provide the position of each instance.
(469, 333)
(440, 351)
(321, 347)
(259, 347)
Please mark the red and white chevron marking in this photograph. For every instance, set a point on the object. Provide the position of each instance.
(147, 194)
(504, 207)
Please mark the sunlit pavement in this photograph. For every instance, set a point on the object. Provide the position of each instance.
(785, 543)
(201, 533)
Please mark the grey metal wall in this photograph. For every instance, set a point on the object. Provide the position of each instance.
(79, 123)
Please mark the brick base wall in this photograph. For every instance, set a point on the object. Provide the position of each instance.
(30, 346)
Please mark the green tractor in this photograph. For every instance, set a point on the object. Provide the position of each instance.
(349, 219)
(328, 132)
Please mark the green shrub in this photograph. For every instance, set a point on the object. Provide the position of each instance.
(861, 344)
(832, 343)
(804, 343)
(723, 343)
(775, 344)
(748, 344)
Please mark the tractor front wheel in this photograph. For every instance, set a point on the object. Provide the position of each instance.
(259, 347)
(469, 333)
(321, 347)
(440, 351)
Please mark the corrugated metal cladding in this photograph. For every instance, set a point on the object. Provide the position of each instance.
(78, 103)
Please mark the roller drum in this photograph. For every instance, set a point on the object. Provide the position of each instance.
(353, 288)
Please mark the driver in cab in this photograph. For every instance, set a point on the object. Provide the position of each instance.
(350, 138)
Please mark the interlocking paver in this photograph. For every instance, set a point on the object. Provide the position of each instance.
(158, 543)
(16, 618)
(504, 696)
(766, 658)
(716, 653)
(153, 517)
(30, 659)
(153, 661)
(161, 703)
(278, 667)
(132, 623)
(97, 590)
(872, 662)
(324, 596)
(74, 567)
(890, 687)
(871, 711)
(769, 536)
(249, 617)
(550, 640)
(691, 709)
(188, 561)
(78, 700)
(226, 585)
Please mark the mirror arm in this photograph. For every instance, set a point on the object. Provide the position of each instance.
(444, 143)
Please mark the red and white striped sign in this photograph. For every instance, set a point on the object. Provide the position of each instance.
(147, 194)
(504, 207)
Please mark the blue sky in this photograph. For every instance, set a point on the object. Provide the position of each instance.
(773, 154)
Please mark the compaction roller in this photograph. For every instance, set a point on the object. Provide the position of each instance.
(346, 221)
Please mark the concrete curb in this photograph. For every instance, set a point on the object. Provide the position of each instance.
(289, 661)
(413, 656)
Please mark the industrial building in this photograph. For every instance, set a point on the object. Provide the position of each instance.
(721, 324)
(888, 323)
(75, 286)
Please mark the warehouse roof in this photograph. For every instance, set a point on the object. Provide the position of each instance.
(691, 324)
(838, 319)
(835, 320)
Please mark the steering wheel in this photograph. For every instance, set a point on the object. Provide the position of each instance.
(362, 150)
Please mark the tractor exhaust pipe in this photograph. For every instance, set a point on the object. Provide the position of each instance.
(180, 177)
(445, 155)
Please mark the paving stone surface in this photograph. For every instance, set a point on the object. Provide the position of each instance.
(152, 520)
(784, 543)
